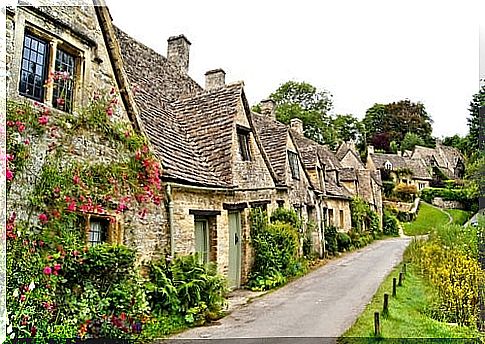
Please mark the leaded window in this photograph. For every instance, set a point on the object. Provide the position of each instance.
(243, 138)
(98, 231)
(33, 68)
(63, 81)
(293, 159)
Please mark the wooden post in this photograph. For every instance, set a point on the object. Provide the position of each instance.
(404, 268)
(394, 281)
(377, 326)
(400, 279)
(385, 309)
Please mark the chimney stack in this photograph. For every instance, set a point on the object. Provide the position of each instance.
(297, 125)
(215, 78)
(267, 108)
(178, 52)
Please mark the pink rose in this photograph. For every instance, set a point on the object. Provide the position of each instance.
(47, 270)
(43, 218)
(57, 267)
(43, 120)
(9, 174)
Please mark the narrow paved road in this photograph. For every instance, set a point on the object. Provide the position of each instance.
(324, 303)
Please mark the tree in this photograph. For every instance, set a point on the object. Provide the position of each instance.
(391, 122)
(302, 100)
(474, 120)
(347, 128)
(410, 141)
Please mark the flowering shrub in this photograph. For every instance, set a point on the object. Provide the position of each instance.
(57, 286)
(449, 260)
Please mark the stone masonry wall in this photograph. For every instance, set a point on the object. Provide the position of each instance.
(77, 28)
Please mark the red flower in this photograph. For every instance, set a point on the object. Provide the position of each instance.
(71, 206)
(57, 267)
(22, 298)
(43, 120)
(33, 331)
(9, 174)
(56, 214)
(47, 270)
(60, 101)
(27, 141)
(109, 111)
(55, 272)
(43, 218)
(76, 179)
(10, 157)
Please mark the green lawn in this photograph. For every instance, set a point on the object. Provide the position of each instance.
(459, 216)
(428, 217)
(407, 318)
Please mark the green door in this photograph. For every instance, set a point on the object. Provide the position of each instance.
(234, 274)
(202, 240)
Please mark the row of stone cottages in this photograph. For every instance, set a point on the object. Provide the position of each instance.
(219, 159)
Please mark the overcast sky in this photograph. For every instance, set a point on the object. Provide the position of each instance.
(362, 52)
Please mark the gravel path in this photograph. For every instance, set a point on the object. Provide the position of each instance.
(324, 303)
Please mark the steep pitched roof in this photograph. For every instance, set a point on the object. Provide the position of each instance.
(208, 119)
(347, 174)
(380, 160)
(336, 191)
(446, 158)
(417, 167)
(273, 135)
(324, 153)
(345, 148)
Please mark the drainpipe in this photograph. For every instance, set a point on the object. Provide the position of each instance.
(170, 219)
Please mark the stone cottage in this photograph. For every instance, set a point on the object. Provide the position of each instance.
(215, 169)
(358, 179)
(443, 160)
(399, 169)
(295, 189)
(54, 65)
(325, 171)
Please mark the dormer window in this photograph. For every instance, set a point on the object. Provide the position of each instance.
(243, 139)
(388, 165)
(293, 160)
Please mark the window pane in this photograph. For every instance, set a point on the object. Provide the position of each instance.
(33, 67)
(64, 81)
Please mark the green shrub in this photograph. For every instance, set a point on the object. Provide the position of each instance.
(388, 187)
(390, 224)
(331, 239)
(343, 241)
(463, 195)
(186, 287)
(288, 216)
(275, 250)
(405, 192)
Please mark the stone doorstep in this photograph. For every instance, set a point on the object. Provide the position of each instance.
(240, 297)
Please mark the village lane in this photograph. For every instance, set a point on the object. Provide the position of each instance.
(323, 303)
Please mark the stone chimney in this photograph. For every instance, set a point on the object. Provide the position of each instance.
(297, 125)
(267, 108)
(370, 149)
(178, 52)
(215, 78)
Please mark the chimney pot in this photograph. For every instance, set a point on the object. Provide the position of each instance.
(297, 125)
(178, 52)
(268, 108)
(215, 78)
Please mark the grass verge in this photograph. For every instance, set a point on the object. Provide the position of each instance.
(407, 312)
(428, 217)
(459, 216)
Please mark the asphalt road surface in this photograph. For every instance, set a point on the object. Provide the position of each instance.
(324, 303)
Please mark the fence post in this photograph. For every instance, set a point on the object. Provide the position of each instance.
(385, 308)
(377, 326)
(394, 281)
(404, 268)
(400, 279)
